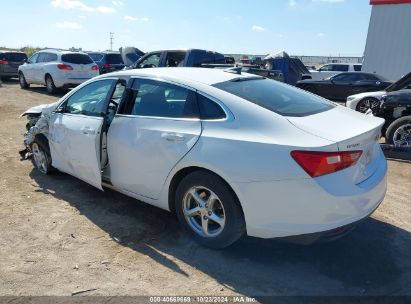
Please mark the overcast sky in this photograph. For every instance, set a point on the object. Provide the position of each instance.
(300, 27)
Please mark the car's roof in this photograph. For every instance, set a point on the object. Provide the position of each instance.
(102, 52)
(56, 51)
(10, 51)
(200, 75)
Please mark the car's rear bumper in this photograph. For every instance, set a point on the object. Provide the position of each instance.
(9, 74)
(70, 82)
(305, 206)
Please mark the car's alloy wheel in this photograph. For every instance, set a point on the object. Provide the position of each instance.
(209, 210)
(204, 211)
(368, 103)
(40, 158)
(402, 136)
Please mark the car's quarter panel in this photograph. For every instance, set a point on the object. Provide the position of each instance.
(143, 150)
(75, 146)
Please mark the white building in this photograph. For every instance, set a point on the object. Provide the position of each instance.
(388, 47)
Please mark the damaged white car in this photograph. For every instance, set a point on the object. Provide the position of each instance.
(229, 153)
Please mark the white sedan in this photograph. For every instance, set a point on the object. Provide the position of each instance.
(229, 153)
(362, 102)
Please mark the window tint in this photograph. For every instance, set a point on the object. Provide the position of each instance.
(326, 68)
(14, 57)
(52, 57)
(175, 59)
(206, 57)
(348, 77)
(357, 67)
(114, 59)
(340, 67)
(96, 56)
(160, 99)
(209, 109)
(152, 61)
(42, 57)
(89, 100)
(277, 97)
(77, 58)
(33, 58)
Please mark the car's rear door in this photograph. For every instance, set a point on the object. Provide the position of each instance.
(75, 131)
(156, 129)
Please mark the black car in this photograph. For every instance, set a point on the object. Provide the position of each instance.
(395, 108)
(342, 85)
(10, 62)
(179, 58)
(107, 61)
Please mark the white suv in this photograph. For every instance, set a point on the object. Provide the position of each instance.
(57, 69)
(331, 69)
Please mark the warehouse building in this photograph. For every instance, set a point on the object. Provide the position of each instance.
(388, 47)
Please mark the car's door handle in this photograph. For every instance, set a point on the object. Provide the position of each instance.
(175, 137)
(88, 130)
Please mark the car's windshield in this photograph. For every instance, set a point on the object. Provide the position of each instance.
(114, 59)
(277, 97)
(96, 56)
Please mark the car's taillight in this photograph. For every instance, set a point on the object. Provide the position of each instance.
(4, 61)
(322, 163)
(94, 67)
(108, 66)
(65, 67)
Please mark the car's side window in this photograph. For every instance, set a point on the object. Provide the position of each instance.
(340, 67)
(209, 109)
(326, 68)
(152, 61)
(89, 100)
(175, 59)
(161, 99)
(42, 57)
(33, 59)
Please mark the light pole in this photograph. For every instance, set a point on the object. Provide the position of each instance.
(111, 40)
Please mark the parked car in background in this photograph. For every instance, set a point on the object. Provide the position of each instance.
(395, 108)
(130, 55)
(229, 153)
(107, 61)
(229, 59)
(10, 62)
(57, 69)
(179, 58)
(364, 101)
(340, 86)
(331, 69)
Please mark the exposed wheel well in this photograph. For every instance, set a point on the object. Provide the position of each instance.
(179, 176)
(45, 77)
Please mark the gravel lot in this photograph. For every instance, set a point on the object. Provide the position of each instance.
(60, 235)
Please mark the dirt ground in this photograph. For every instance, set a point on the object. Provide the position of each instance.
(59, 235)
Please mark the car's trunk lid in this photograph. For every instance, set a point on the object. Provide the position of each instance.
(351, 131)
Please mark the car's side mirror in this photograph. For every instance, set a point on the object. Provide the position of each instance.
(60, 109)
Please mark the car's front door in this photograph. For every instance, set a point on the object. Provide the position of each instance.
(29, 67)
(75, 131)
(158, 127)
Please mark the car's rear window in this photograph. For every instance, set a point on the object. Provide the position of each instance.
(277, 97)
(114, 59)
(96, 56)
(14, 57)
(76, 58)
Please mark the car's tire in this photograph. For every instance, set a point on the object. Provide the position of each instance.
(367, 103)
(310, 89)
(41, 156)
(23, 82)
(399, 132)
(222, 216)
(50, 86)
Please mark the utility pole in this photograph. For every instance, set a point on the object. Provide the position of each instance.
(111, 40)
